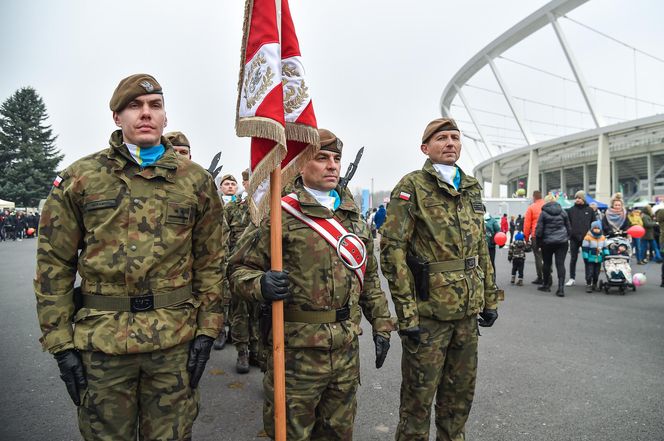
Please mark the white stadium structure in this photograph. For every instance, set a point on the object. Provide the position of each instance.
(529, 127)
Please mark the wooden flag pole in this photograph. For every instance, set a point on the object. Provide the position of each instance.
(278, 356)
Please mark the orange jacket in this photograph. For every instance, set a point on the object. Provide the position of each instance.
(530, 219)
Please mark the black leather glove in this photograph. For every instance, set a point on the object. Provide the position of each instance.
(72, 373)
(487, 318)
(274, 285)
(199, 354)
(382, 346)
(413, 333)
(509, 259)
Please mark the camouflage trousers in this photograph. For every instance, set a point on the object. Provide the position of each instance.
(148, 393)
(444, 364)
(244, 325)
(320, 393)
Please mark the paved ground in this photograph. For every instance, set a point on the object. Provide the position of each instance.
(584, 367)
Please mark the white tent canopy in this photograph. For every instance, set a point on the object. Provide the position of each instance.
(6, 204)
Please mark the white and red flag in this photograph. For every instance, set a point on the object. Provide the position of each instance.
(274, 106)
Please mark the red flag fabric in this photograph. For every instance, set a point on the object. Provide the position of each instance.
(274, 106)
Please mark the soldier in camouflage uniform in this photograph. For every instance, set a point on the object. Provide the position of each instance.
(435, 231)
(227, 189)
(244, 313)
(146, 222)
(180, 143)
(322, 306)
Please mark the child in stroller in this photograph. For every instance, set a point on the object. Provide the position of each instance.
(617, 270)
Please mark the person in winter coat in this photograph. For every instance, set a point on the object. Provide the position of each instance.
(504, 224)
(580, 217)
(517, 255)
(659, 217)
(594, 249)
(379, 218)
(635, 218)
(615, 221)
(529, 226)
(512, 229)
(552, 233)
(648, 241)
(491, 226)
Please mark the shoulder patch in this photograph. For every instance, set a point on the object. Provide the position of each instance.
(478, 207)
(405, 196)
(58, 180)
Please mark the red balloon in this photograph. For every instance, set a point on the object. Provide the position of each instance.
(500, 238)
(636, 231)
(31, 231)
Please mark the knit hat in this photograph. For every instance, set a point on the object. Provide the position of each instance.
(596, 224)
(580, 194)
(245, 175)
(519, 236)
(132, 87)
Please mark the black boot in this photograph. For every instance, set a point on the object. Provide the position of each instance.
(220, 342)
(242, 363)
(546, 287)
(561, 289)
(537, 281)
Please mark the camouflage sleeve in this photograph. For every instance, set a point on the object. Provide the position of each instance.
(60, 237)
(372, 298)
(225, 240)
(396, 233)
(250, 261)
(208, 248)
(490, 294)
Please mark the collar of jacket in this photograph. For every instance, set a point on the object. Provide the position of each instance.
(165, 167)
(466, 181)
(311, 207)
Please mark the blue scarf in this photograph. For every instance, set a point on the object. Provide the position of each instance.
(145, 156)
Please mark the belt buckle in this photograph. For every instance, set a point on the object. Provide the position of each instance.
(142, 303)
(470, 263)
(363, 250)
(343, 314)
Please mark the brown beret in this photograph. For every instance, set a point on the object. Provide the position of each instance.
(177, 138)
(438, 125)
(132, 87)
(228, 177)
(329, 141)
(245, 175)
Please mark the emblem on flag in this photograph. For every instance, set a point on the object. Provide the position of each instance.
(274, 105)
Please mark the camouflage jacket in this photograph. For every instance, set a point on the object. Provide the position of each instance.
(238, 218)
(431, 219)
(319, 279)
(139, 231)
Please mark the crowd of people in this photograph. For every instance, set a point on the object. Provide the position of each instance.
(552, 233)
(17, 225)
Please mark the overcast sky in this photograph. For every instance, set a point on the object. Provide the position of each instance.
(376, 69)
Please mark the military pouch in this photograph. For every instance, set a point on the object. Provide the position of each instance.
(419, 268)
(265, 322)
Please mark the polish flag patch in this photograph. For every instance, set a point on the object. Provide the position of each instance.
(57, 181)
(405, 196)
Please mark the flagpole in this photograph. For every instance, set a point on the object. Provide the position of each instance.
(278, 355)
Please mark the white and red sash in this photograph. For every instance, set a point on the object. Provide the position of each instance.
(351, 249)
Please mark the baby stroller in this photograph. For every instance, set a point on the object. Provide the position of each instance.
(616, 267)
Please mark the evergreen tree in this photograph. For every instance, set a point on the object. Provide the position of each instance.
(28, 156)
